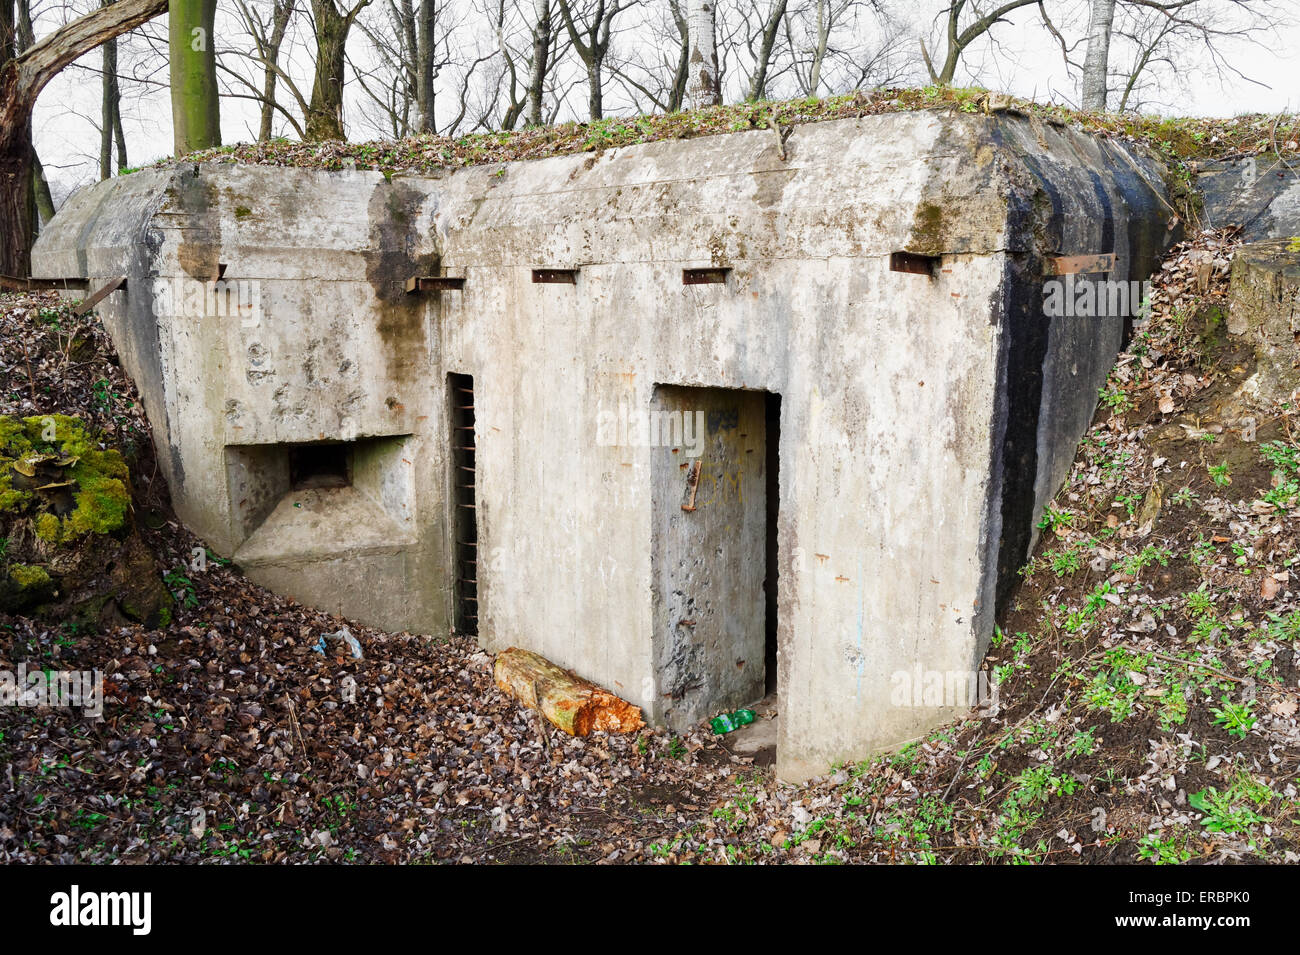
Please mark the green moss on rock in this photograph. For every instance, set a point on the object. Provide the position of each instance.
(66, 451)
(103, 499)
(28, 577)
(23, 586)
(47, 527)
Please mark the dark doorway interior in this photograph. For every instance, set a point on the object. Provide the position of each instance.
(772, 416)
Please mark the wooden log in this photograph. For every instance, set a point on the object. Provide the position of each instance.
(569, 702)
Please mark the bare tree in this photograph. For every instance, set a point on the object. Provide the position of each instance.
(543, 40)
(110, 129)
(761, 41)
(23, 74)
(325, 110)
(590, 31)
(110, 126)
(1159, 37)
(506, 87)
(965, 21)
(268, 39)
(268, 43)
(655, 70)
(705, 82)
(1098, 56)
(841, 45)
(391, 76)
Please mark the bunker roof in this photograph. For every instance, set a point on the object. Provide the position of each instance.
(1181, 142)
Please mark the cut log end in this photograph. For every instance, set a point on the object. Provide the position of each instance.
(569, 702)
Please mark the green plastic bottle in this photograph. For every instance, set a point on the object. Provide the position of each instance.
(722, 724)
(731, 721)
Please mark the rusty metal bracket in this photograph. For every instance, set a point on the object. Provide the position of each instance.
(434, 283)
(913, 263)
(42, 285)
(693, 482)
(555, 276)
(1080, 264)
(100, 295)
(709, 276)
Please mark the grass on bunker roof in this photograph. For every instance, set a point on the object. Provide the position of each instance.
(1179, 141)
(1147, 710)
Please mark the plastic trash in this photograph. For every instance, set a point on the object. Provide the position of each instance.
(729, 722)
(344, 636)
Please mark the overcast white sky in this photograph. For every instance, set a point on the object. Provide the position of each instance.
(1027, 62)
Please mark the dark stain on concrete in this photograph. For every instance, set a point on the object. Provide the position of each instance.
(771, 177)
(393, 209)
(195, 201)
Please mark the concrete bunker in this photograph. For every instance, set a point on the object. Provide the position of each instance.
(884, 276)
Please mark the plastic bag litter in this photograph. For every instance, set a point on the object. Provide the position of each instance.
(343, 635)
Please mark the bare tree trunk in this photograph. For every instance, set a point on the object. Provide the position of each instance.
(192, 54)
(119, 134)
(22, 77)
(110, 112)
(1097, 59)
(541, 54)
(425, 121)
(595, 92)
(325, 112)
(704, 87)
(682, 72)
(271, 54)
(771, 27)
(819, 54)
(112, 118)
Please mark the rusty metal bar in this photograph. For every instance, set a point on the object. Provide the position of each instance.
(42, 285)
(709, 276)
(555, 276)
(434, 283)
(99, 296)
(913, 263)
(1080, 264)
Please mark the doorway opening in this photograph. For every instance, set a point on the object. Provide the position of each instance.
(772, 424)
(714, 506)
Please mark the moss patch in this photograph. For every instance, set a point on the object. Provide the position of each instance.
(51, 464)
(28, 577)
(929, 230)
(25, 585)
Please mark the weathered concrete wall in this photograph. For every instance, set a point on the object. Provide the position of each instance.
(325, 345)
(925, 419)
(1260, 196)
